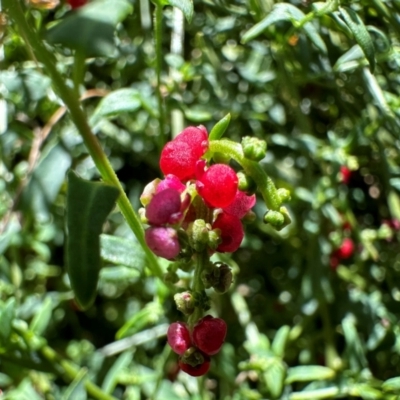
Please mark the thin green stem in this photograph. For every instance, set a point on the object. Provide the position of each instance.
(158, 14)
(253, 169)
(78, 70)
(78, 116)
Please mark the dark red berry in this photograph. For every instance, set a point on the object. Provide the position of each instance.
(231, 232)
(178, 337)
(76, 3)
(218, 185)
(164, 207)
(198, 370)
(209, 334)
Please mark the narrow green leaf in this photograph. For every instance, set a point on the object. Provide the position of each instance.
(186, 6)
(42, 318)
(275, 377)
(305, 373)
(148, 315)
(120, 251)
(88, 204)
(360, 33)
(6, 317)
(318, 394)
(111, 379)
(280, 340)
(95, 23)
(117, 102)
(76, 390)
(392, 385)
(219, 128)
(285, 12)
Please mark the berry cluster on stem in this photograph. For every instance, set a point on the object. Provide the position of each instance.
(199, 209)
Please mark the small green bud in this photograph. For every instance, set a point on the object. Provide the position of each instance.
(254, 148)
(283, 194)
(286, 215)
(185, 302)
(198, 232)
(246, 183)
(214, 239)
(274, 218)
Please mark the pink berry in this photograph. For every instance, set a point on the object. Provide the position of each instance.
(171, 182)
(242, 203)
(178, 337)
(198, 370)
(218, 185)
(209, 334)
(163, 242)
(164, 207)
(231, 232)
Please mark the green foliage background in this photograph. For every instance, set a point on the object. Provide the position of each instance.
(299, 75)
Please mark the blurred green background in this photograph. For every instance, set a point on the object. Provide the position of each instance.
(303, 323)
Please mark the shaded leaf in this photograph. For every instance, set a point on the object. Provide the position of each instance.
(88, 204)
(42, 318)
(285, 12)
(111, 379)
(122, 251)
(117, 102)
(76, 390)
(280, 340)
(392, 385)
(274, 377)
(6, 317)
(360, 33)
(95, 24)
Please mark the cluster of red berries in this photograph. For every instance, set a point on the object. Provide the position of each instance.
(344, 252)
(196, 347)
(193, 190)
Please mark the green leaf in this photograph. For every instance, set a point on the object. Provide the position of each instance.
(280, 340)
(285, 12)
(117, 102)
(305, 373)
(148, 315)
(88, 204)
(6, 317)
(111, 379)
(76, 390)
(186, 6)
(392, 385)
(274, 377)
(122, 251)
(325, 393)
(219, 128)
(94, 26)
(360, 33)
(42, 318)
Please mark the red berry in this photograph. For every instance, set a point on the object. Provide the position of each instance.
(196, 137)
(231, 232)
(163, 242)
(209, 334)
(178, 158)
(345, 175)
(164, 208)
(178, 337)
(76, 3)
(241, 204)
(346, 249)
(198, 370)
(218, 185)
